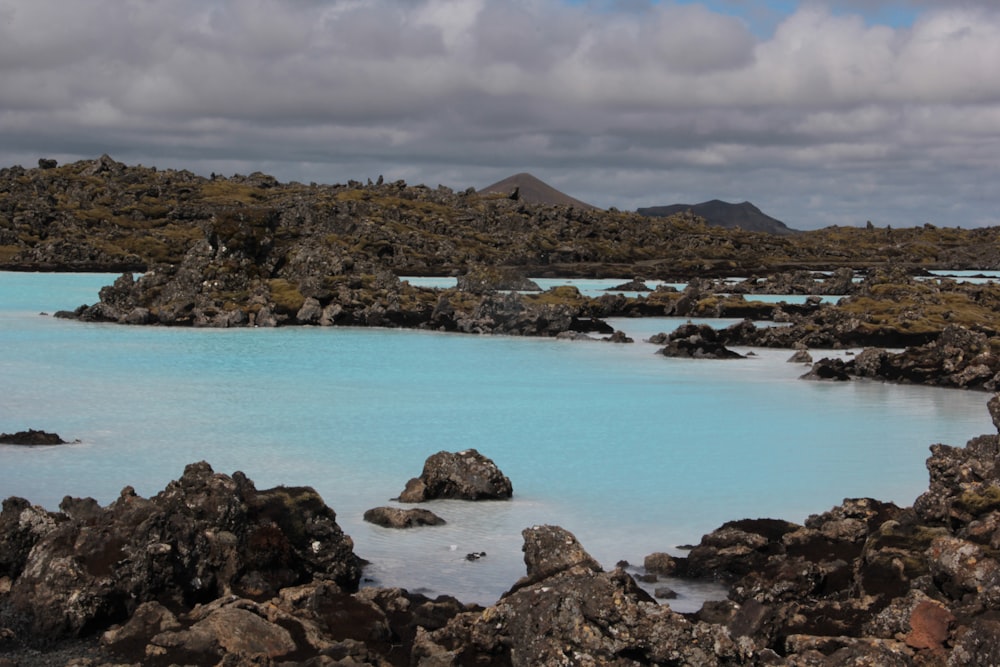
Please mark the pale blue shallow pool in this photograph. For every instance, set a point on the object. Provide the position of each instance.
(629, 450)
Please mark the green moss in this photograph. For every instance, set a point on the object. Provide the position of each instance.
(94, 214)
(221, 191)
(286, 295)
(563, 294)
(356, 194)
(981, 501)
(917, 309)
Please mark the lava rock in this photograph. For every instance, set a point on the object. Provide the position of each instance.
(204, 536)
(697, 341)
(31, 437)
(465, 475)
(394, 517)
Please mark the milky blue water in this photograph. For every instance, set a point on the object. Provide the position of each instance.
(597, 287)
(630, 451)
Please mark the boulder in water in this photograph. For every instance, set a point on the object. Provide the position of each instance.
(465, 475)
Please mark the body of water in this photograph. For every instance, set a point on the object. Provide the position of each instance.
(631, 451)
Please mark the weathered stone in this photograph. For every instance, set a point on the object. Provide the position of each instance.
(204, 536)
(659, 563)
(664, 593)
(964, 567)
(148, 620)
(394, 517)
(736, 548)
(22, 525)
(311, 311)
(551, 549)
(567, 611)
(697, 341)
(977, 645)
(801, 356)
(828, 369)
(228, 630)
(480, 279)
(865, 583)
(465, 475)
(993, 405)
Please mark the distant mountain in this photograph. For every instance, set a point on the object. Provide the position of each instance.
(534, 191)
(723, 214)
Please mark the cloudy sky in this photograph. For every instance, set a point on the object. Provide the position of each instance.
(821, 113)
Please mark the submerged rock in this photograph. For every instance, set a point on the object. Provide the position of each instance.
(394, 517)
(634, 285)
(465, 475)
(800, 356)
(829, 369)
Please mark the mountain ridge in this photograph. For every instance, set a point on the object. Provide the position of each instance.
(716, 212)
(533, 190)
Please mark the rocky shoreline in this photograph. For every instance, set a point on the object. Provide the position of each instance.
(250, 251)
(213, 570)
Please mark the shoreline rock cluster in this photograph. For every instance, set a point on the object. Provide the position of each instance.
(215, 571)
(250, 251)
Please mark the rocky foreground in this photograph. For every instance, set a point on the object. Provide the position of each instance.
(214, 571)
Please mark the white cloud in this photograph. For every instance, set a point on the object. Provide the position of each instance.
(620, 104)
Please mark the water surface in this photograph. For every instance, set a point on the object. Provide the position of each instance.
(630, 451)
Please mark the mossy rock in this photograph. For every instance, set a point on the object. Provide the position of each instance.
(980, 501)
(561, 295)
(7, 252)
(286, 296)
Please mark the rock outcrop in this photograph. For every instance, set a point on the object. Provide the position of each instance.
(870, 582)
(206, 535)
(694, 341)
(465, 475)
(566, 610)
(959, 358)
(31, 437)
(481, 279)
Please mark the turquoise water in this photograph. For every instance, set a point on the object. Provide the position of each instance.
(596, 287)
(629, 450)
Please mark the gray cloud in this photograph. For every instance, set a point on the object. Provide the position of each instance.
(831, 120)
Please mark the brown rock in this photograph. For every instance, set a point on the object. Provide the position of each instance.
(148, 620)
(930, 625)
(659, 563)
(993, 405)
(551, 549)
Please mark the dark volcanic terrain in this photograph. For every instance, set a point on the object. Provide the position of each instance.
(213, 570)
(250, 251)
(723, 214)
